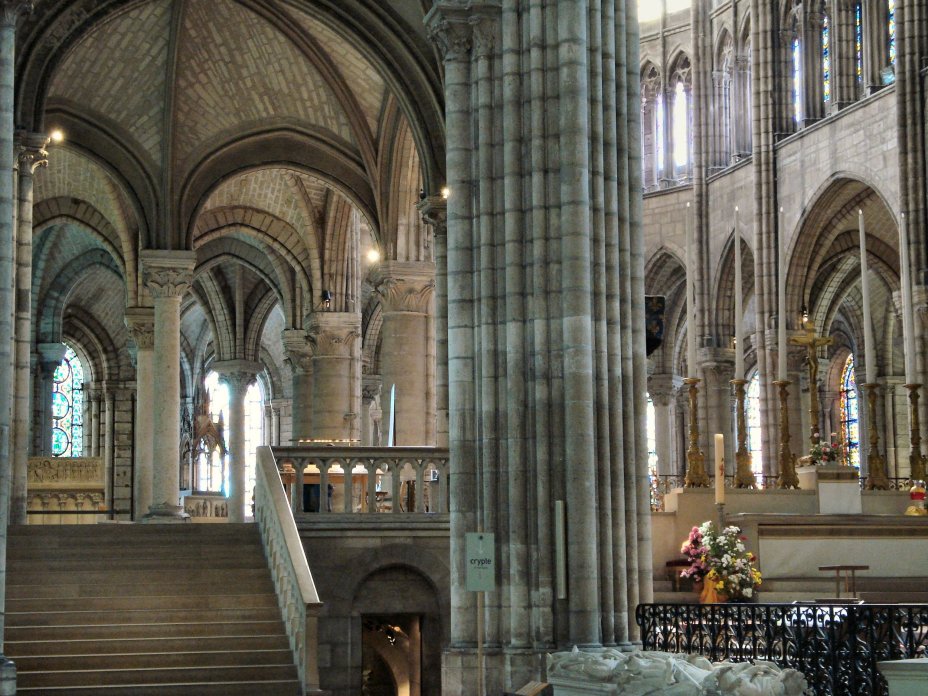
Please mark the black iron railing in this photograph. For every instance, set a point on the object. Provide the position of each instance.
(836, 646)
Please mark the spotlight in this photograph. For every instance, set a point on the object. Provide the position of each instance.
(57, 135)
(445, 192)
(373, 255)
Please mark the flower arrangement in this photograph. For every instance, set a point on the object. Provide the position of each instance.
(827, 452)
(720, 560)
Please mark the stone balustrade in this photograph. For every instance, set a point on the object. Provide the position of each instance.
(366, 480)
(207, 507)
(296, 591)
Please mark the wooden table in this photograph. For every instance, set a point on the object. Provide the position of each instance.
(849, 577)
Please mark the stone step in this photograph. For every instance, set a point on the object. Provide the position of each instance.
(133, 531)
(156, 675)
(252, 585)
(138, 616)
(128, 578)
(151, 602)
(105, 646)
(147, 660)
(157, 630)
(205, 549)
(284, 687)
(168, 564)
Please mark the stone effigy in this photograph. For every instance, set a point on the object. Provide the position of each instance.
(648, 673)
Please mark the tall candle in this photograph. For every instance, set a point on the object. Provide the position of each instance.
(719, 468)
(739, 316)
(908, 331)
(869, 347)
(781, 299)
(690, 297)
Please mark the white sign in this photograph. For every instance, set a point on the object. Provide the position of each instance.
(480, 552)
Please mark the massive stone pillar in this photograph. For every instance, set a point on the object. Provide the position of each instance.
(434, 211)
(336, 390)
(141, 324)
(238, 375)
(167, 275)
(299, 356)
(546, 355)
(31, 155)
(405, 291)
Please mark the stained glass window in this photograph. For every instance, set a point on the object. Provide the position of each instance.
(681, 153)
(826, 59)
(752, 408)
(891, 26)
(849, 413)
(68, 407)
(797, 81)
(858, 44)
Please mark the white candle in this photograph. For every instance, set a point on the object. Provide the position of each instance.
(690, 297)
(781, 299)
(739, 320)
(719, 468)
(908, 331)
(869, 348)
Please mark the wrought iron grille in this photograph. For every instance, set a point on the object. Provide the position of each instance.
(837, 646)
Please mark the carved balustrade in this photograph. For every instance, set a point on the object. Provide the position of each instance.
(207, 507)
(65, 490)
(369, 480)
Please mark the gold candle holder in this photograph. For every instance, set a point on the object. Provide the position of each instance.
(744, 475)
(696, 476)
(876, 478)
(916, 459)
(787, 477)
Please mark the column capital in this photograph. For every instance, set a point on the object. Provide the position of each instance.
(10, 10)
(167, 273)
(30, 151)
(455, 27)
(434, 212)
(141, 324)
(663, 388)
(333, 334)
(297, 349)
(404, 286)
(370, 387)
(51, 352)
(238, 374)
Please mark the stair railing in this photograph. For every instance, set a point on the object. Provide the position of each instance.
(296, 592)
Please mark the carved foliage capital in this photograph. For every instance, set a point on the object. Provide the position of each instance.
(141, 324)
(404, 286)
(456, 27)
(10, 10)
(434, 212)
(167, 282)
(296, 346)
(334, 334)
(30, 151)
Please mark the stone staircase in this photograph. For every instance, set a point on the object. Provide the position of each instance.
(147, 610)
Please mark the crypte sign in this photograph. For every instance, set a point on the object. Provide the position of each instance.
(480, 572)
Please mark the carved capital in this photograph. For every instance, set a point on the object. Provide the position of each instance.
(370, 388)
(333, 334)
(167, 273)
(404, 286)
(434, 212)
(10, 10)
(141, 324)
(238, 374)
(455, 28)
(664, 388)
(30, 151)
(296, 346)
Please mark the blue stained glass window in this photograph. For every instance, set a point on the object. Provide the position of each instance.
(850, 424)
(858, 44)
(891, 27)
(797, 81)
(826, 60)
(68, 407)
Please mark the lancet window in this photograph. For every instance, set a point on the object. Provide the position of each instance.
(681, 117)
(723, 82)
(68, 407)
(652, 125)
(849, 413)
(826, 60)
(891, 30)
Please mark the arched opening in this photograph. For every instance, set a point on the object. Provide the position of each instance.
(68, 407)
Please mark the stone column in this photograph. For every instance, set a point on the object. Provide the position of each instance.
(405, 291)
(95, 397)
(299, 356)
(277, 414)
(370, 397)
(237, 374)
(50, 357)
(434, 211)
(141, 324)
(663, 389)
(167, 275)
(109, 446)
(31, 155)
(336, 353)
(718, 370)
(812, 78)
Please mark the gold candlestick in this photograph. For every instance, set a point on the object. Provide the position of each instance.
(787, 477)
(876, 478)
(916, 459)
(744, 475)
(696, 476)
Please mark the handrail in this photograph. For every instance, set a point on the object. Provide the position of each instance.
(293, 580)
